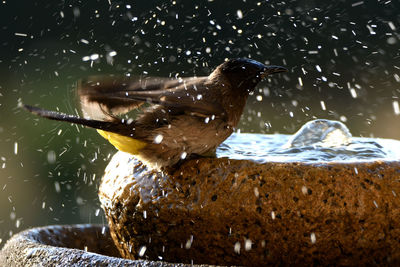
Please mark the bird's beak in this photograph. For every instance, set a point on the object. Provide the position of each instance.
(272, 69)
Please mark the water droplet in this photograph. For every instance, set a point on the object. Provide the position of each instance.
(247, 244)
(256, 192)
(300, 81)
(313, 238)
(304, 190)
(396, 107)
(94, 56)
(51, 157)
(158, 139)
(183, 155)
(239, 14)
(142, 250)
(236, 248)
(323, 107)
(189, 242)
(57, 187)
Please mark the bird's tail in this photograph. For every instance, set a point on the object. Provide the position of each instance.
(53, 115)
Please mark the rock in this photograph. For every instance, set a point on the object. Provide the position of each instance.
(239, 212)
(67, 245)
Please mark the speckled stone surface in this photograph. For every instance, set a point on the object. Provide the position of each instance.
(67, 245)
(238, 212)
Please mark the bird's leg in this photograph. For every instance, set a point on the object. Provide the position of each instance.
(209, 154)
(172, 169)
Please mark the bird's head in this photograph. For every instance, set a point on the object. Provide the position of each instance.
(244, 74)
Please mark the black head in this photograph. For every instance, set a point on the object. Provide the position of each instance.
(245, 74)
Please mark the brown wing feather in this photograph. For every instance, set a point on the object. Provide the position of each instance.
(99, 100)
(103, 98)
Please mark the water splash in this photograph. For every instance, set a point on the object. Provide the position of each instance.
(324, 133)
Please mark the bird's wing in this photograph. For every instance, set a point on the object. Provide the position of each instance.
(104, 98)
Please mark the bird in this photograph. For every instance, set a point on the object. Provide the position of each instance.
(174, 119)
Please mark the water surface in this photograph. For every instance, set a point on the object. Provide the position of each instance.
(273, 148)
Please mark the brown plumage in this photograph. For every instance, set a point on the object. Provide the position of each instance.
(186, 116)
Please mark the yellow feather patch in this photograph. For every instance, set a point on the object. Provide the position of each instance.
(123, 143)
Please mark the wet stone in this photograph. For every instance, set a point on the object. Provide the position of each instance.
(252, 212)
(68, 245)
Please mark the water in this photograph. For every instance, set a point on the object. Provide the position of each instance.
(316, 141)
(324, 133)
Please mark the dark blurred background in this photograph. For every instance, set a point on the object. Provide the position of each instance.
(343, 56)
